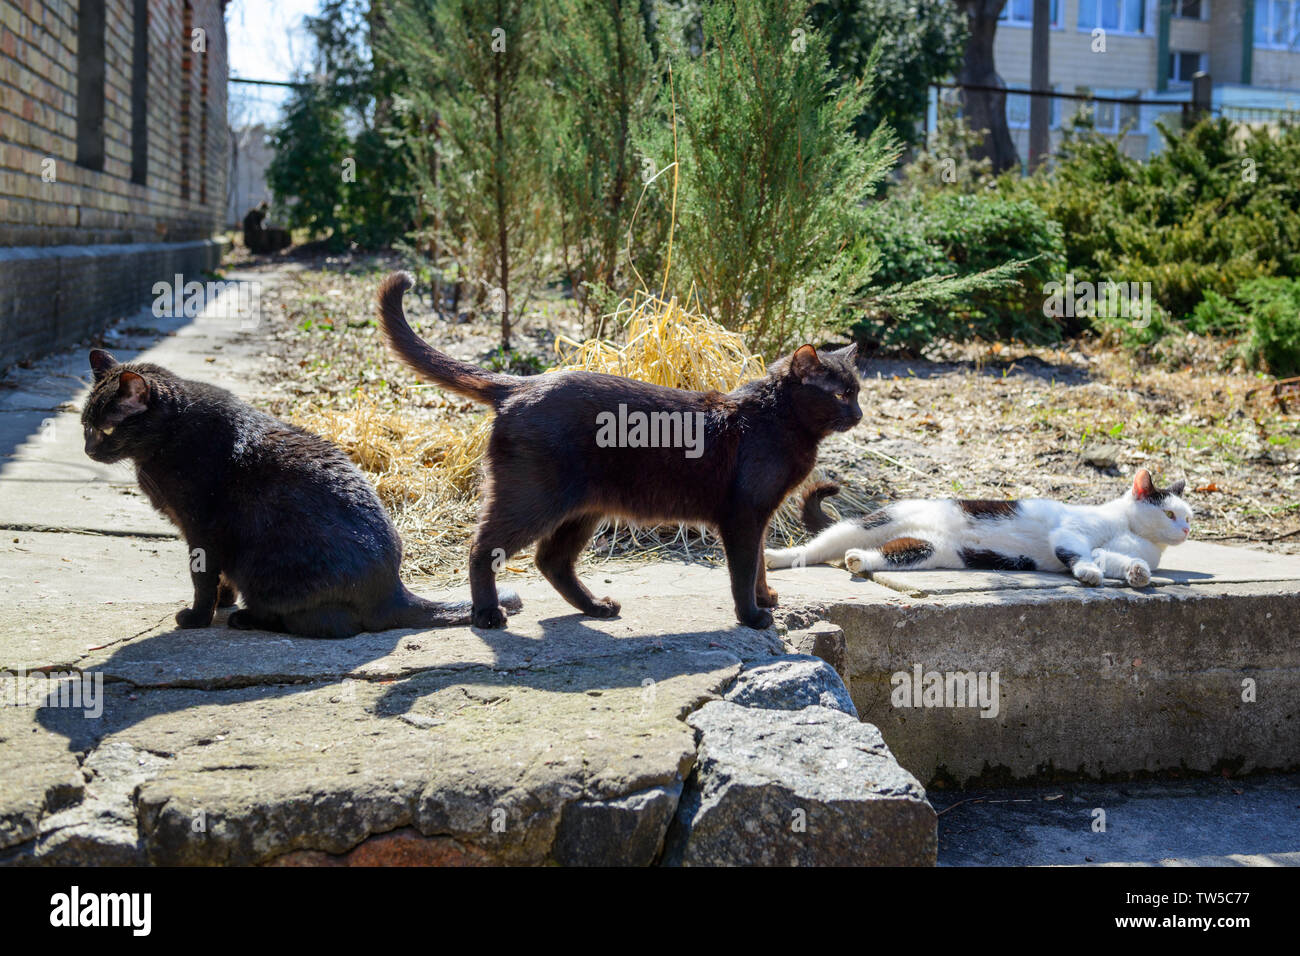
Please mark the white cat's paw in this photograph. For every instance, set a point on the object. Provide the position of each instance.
(1088, 574)
(780, 559)
(855, 560)
(1138, 574)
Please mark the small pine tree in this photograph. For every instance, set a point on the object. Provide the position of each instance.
(774, 181)
(474, 86)
(605, 79)
(306, 170)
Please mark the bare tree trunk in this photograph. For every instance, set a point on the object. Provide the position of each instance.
(986, 110)
(502, 232)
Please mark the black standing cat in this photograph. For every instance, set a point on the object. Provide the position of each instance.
(555, 466)
(268, 511)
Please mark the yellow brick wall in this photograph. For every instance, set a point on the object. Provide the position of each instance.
(38, 105)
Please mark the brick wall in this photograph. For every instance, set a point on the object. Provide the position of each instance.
(49, 203)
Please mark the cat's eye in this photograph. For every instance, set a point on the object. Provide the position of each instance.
(1170, 515)
(839, 396)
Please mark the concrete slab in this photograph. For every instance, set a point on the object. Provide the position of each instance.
(1252, 822)
(46, 480)
(1196, 562)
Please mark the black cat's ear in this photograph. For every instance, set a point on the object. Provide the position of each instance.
(849, 353)
(1177, 487)
(1143, 486)
(132, 394)
(804, 362)
(101, 362)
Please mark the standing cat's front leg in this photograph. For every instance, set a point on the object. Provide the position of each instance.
(1072, 550)
(764, 596)
(205, 574)
(743, 543)
(1122, 567)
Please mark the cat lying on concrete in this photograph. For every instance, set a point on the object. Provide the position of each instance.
(1122, 539)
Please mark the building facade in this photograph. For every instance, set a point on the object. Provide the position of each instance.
(114, 152)
(1150, 50)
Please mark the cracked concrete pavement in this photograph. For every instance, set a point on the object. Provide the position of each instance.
(560, 739)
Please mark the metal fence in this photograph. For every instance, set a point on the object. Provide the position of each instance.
(1132, 118)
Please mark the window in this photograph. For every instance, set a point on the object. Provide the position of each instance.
(1124, 16)
(1183, 66)
(1021, 13)
(140, 93)
(187, 81)
(1192, 9)
(1277, 23)
(90, 84)
(1018, 108)
(1110, 117)
(203, 129)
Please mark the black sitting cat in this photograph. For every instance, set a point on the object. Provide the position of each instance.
(268, 511)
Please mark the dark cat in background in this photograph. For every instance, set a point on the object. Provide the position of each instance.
(549, 478)
(268, 511)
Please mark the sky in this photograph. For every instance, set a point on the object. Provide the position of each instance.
(266, 42)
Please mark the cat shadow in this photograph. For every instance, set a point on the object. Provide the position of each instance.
(1030, 366)
(569, 657)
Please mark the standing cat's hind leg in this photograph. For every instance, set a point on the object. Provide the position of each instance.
(556, 555)
(227, 593)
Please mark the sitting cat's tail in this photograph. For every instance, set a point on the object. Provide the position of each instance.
(415, 611)
(814, 518)
(427, 362)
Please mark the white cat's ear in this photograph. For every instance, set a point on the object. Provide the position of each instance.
(1177, 487)
(1143, 486)
(805, 361)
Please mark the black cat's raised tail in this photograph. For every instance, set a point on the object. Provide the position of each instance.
(490, 388)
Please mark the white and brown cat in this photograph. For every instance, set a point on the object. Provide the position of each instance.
(1122, 539)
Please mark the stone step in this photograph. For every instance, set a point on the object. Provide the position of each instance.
(1199, 672)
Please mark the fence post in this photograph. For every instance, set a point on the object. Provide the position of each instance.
(1040, 107)
(1201, 95)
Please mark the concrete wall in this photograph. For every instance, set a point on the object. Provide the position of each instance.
(48, 201)
(1276, 69)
